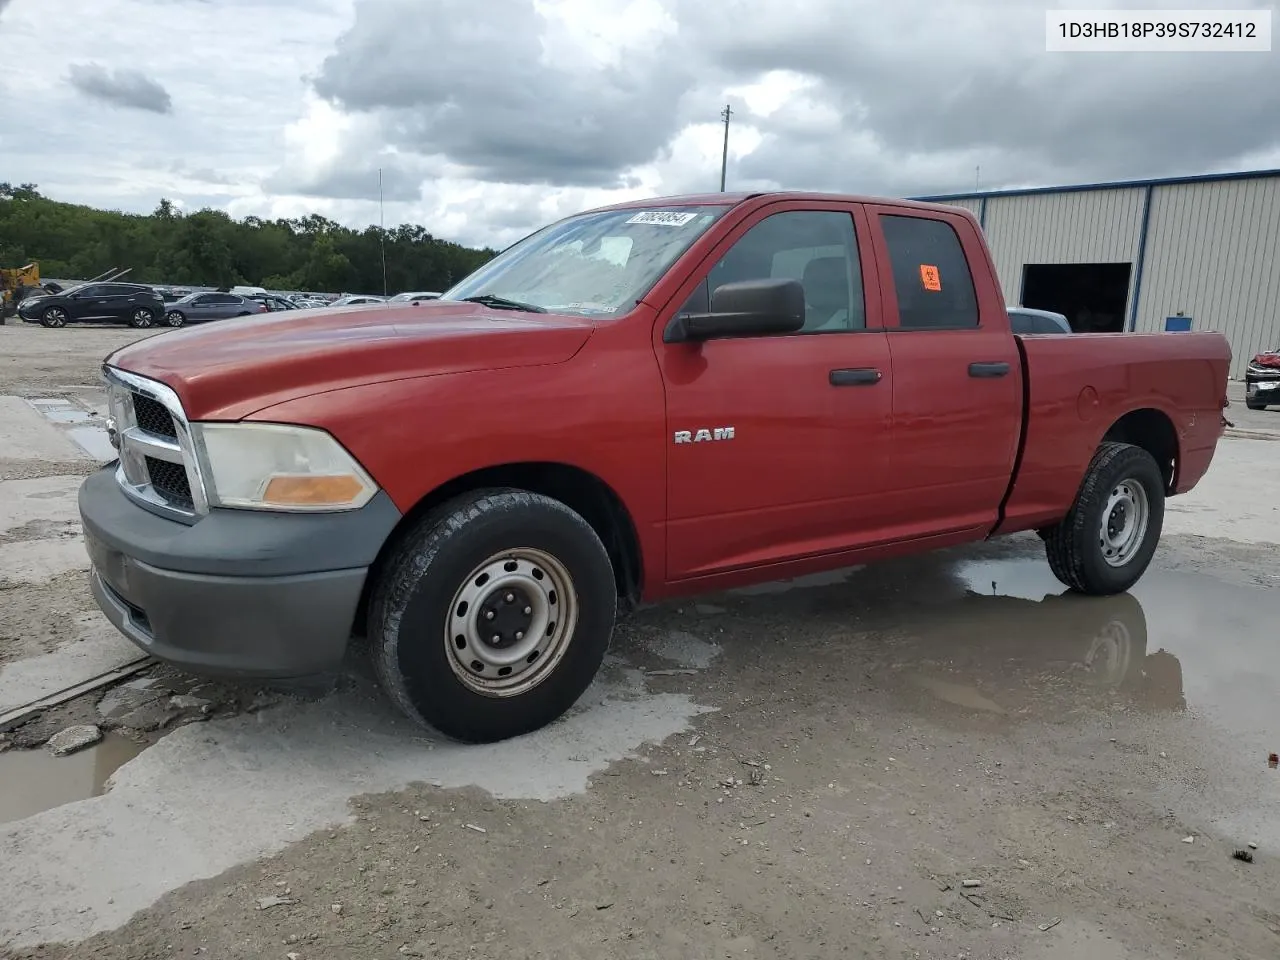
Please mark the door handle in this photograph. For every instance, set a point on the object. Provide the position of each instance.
(997, 369)
(854, 377)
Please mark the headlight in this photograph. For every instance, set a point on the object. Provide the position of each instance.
(271, 466)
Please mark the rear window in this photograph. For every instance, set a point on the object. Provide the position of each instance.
(930, 274)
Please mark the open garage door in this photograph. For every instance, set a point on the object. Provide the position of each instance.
(1092, 296)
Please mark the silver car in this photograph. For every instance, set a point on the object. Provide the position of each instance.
(1027, 320)
(200, 307)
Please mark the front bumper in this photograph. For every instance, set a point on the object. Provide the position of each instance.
(1262, 386)
(238, 593)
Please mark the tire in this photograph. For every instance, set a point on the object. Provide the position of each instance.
(1254, 404)
(141, 318)
(175, 318)
(54, 318)
(426, 647)
(1088, 551)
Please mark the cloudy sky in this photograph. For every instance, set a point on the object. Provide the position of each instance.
(490, 117)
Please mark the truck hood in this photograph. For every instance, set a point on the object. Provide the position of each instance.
(231, 368)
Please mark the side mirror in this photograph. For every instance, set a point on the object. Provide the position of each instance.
(750, 308)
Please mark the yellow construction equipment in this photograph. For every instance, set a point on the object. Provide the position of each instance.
(15, 284)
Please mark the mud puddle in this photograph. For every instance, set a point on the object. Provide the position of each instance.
(1179, 674)
(32, 781)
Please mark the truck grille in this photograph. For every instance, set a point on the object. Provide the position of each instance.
(153, 417)
(158, 467)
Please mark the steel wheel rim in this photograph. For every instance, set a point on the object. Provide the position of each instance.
(1124, 522)
(56, 318)
(526, 599)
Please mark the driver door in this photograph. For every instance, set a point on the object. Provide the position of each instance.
(777, 445)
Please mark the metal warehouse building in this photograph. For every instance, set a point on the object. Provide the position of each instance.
(1200, 253)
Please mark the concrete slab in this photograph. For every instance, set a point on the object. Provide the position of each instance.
(26, 435)
(101, 648)
(37, 561)
(1238, 499)
(48, 501)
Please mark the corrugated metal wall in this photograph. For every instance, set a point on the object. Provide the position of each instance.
(1213, 252)
(1097, 226)
(972, 204)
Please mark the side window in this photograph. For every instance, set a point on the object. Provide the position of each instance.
(206, 298)
(95, 291)
(930, 274)
(818, 248)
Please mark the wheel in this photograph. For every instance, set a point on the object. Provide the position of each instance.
(141, 318)
(492, 615)
(1107, 540)
(175, 318)
(54, 317)
(1253, 404)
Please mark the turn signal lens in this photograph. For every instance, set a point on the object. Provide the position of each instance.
(338, 491)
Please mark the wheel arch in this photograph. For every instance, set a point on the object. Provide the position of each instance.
(1152, 430)
(580, 490)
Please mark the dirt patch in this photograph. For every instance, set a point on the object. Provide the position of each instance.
(36, 619)
(837, 804)
(35, 362)
(774, 833)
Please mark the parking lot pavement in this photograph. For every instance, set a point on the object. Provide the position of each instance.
(936, 757)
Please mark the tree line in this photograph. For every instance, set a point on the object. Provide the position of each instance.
(208, 248)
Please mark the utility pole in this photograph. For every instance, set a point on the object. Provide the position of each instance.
(382, 233)
(977, 177)
(725, 114)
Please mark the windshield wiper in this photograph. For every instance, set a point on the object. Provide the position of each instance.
(503, 303)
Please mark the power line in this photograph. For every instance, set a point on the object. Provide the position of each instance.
(725, 114)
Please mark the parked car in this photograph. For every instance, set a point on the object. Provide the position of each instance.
(1026, 321)
(352, 300)
(201, 307)
(414, 297)
(1262, 380)
(133, 303)
(273, 302)
(731, 405)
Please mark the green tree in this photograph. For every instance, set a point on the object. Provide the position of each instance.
(209, 248)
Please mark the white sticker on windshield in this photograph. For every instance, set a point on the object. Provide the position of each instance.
(663, 218)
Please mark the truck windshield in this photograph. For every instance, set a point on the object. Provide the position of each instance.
(591, 264)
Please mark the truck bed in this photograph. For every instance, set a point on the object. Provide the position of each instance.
(1079, 388)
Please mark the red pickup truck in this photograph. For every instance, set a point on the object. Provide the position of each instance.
(651, 399)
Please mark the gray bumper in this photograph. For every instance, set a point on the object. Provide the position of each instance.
(238, 592)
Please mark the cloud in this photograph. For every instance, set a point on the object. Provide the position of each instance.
(489, 119)
(486, 88)
(120, 87)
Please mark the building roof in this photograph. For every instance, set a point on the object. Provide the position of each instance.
(1106, 185)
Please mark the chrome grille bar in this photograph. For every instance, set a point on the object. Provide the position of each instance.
(137, 444)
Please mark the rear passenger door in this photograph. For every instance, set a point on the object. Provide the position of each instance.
(116, 302)
(957, 374)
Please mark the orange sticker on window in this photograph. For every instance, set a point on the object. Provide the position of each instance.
(929, 277)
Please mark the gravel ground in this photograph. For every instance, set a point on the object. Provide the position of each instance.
(928, 758)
